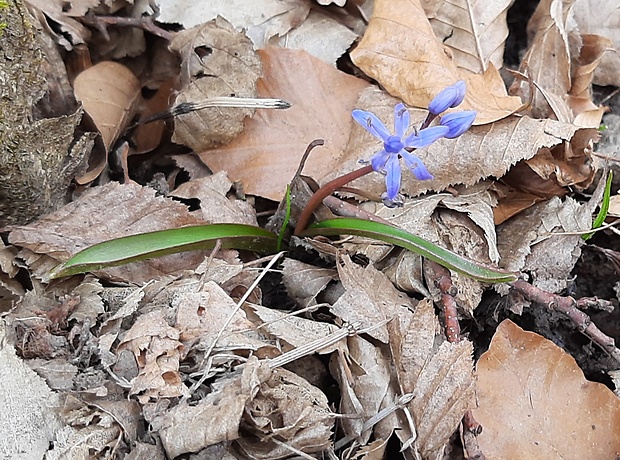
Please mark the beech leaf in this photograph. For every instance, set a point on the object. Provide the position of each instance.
(400, 51)
(534, 402)
(266, 155)
(474, 31)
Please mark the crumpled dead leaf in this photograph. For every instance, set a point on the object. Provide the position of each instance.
(601, 18)
(250, 409)
(261, 19)
(363, 375)
(215, 61)
(438, 373)
(321, 36)
(109, 92)
(216, 417)
(215, 205)
(64, 16)
(527, 243)
(416, 70)
(201, 316)
(285, 407)
(466, 227)
(266, 155)
(369, 298)
(531, 394)
(158, 351)
(474, 32)
(304, 282)
(547, 61)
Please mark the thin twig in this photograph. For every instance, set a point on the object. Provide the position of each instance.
(442, 278)
(471, 429)
(568, 307)
(145, 23)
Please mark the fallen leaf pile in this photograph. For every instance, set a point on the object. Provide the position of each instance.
(122, 117)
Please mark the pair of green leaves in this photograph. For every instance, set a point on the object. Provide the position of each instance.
(154, 244)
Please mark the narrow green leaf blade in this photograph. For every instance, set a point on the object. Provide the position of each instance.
(414, 243)
(144, 246)
(602, 213)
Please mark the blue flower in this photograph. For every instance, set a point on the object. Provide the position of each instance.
(387, 160)
(458, 122)
(447, 98)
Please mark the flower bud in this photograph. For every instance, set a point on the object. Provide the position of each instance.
(458, 122)
(449, 97)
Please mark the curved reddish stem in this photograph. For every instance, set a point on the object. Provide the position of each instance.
(324, 192)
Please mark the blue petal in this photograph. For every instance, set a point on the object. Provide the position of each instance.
(458, 122)
(371, 123)
(392, 178)
(401, 120)
(426, 137)
(448, 97)
(378, 160)
(416, 166)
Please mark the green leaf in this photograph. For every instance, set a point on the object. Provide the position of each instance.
(144, 246)
(287, 217)
(414, 243)
(602, 213)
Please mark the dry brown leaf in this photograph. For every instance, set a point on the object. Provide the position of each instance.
(475, 32)
(401, 52)
(215, 206)
(304, 282)
(548, 59)
(158, 351)
(363, 375)
(593, 49)
(266, 155)
(534, 402)
(215, 61)
(466, 227)
(201, 316)
(292, 330)
(602, 18)
(369, 298)
(148, 136)
(216, 417)
(103, 213)
(29, 420)
(64, 18)
(438, 374)
(526, 242)
(320, 35)
(108, 92)
(285, 407)
(261, 19)
(89, 431)
(481, 152)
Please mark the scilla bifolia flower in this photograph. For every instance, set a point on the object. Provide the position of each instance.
(386, 160)
(397, 146)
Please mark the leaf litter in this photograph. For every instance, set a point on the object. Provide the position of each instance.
(345, 348)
